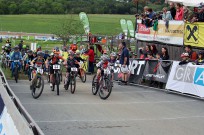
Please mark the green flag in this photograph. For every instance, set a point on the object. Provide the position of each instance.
(83, 17)
(123, 24)
(130, 28)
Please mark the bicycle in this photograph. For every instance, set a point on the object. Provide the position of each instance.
(56, 74)
(71, 80)
(38, 82)
(103, 84)
(16, 70)
(82, 71)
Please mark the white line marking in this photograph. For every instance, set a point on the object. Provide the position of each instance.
(110, 103)
(121, 120)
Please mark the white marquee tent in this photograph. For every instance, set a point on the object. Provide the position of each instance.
(192, 3)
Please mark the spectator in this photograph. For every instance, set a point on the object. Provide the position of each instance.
(151, 14)
(200, 16)
(134, 56)
(82, 49)
(200, 60)
(179, 12)
(90, 53)
(166, 17)
(146, 10)
(124, 61)
(154, 50)
(149, 56)
(158, 56)
(192, 54)
(172, 10)
(20, 45)
(165, 54)
(143, 52)
(188, 14)
(185, 59)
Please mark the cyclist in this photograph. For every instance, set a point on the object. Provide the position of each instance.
(39, 48)
(16, 56)
(46, 54)
(7, 49)
(103, 64)
(39, 62)
(112, 62)
(73, 47)
(34, 54)
(54, 59)
(28, 58)
(78, 59)
(71, 62)
(24, 50)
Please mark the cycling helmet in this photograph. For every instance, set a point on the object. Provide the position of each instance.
(24, 46)
(16, 47)
(46, 51)
(29, 51)
(77, 52)
(113, 54)
(35, 52)
(3, 47)
(7, 45)
(184, 55)
(105, 57)
(39, 46)
(40, 53)
(71, 53)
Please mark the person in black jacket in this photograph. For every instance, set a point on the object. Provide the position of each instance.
(172, 10)
(165, 54)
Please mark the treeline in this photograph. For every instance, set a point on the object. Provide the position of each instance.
(68, 6)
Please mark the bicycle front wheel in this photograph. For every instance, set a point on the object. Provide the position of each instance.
(16, 74)
(83, 76)
(105, 89)
(73, 84)
(94, 86)
(38, 87)
(57, 82)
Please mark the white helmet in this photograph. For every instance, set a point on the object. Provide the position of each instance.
(113, 54)
(3, 47)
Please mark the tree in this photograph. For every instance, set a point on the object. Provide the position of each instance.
(68, 28)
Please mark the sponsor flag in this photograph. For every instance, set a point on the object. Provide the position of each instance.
(124, 27)
(131, 28)
(84, 19)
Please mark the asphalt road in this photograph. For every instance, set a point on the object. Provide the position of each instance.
(130, 110)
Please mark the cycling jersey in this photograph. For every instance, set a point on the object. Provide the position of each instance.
(16, 56)
(38, 62)
(55, 59)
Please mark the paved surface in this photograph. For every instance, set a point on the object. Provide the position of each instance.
(130, 110)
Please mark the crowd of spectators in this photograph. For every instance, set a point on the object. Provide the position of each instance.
(175, 11)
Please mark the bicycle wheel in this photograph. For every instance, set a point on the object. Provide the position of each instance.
(83, 76)
(38, 87)
(57, 82)
(66, 87)
(94, 86)
(48, 78)
(29, 74)
(73, 84)
(105, 89)
(16, 74)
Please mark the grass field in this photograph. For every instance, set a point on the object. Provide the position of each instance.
(99, 23)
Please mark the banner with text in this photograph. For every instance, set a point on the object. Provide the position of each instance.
(173, 34)
(187, 79)
(194, 34)
(157, 70)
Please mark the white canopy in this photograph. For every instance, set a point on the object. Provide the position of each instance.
(193, 3)
(176, 1)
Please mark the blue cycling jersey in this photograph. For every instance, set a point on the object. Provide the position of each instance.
(16, 56)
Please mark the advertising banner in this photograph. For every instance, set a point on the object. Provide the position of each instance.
(171, 35)
(157, 70)
(194, 34)
(187, 79)
(7, 126)
(84, 19)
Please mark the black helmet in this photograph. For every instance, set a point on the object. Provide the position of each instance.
(46, 51)
(40, 53)
(29, 51)
(16, 47)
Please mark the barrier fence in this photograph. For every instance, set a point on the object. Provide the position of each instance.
(14, 119)
(186, 79)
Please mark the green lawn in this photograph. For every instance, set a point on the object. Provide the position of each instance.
(99, 23)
